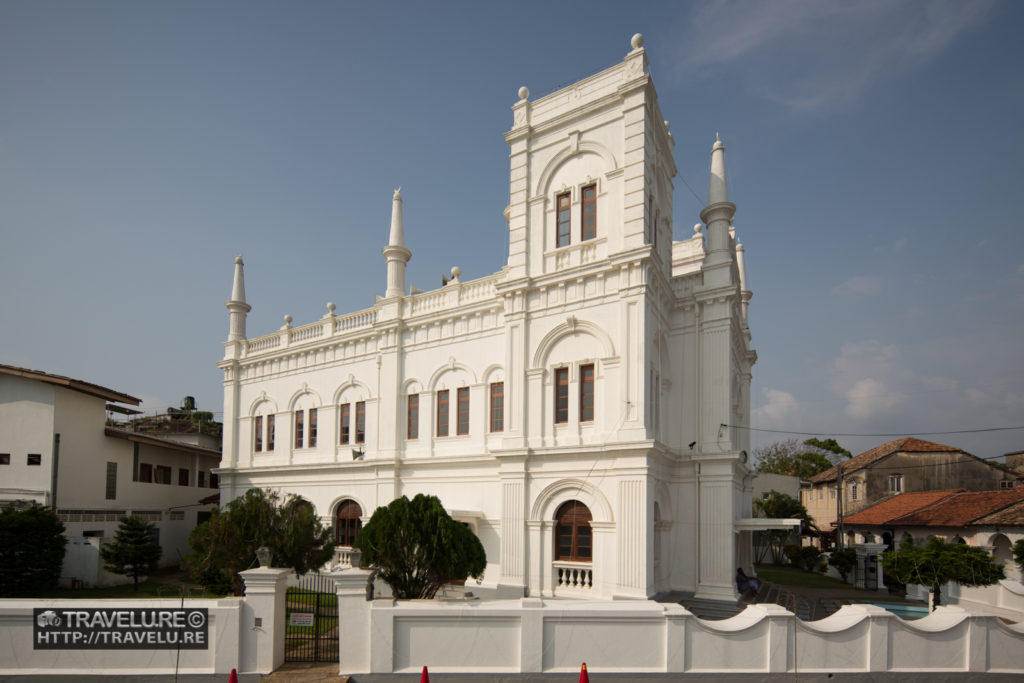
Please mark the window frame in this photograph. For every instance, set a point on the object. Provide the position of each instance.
(462, 411)
(257, 438)
(311, 442)
(563, 220)
(34, 459)
(271, 432)
(588, 383)
(5, 458)
(497, 407)
(299, 424)
(111, 481)
(353, 523)
(895, 483)
(574, 516)
(412, 416)
(360, 422)
(586, 203)
(344, 420)
(561, 395)
(442, 414)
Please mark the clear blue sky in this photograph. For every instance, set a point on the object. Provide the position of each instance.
(874, 153)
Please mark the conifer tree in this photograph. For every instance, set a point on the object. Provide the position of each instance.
(133, 552)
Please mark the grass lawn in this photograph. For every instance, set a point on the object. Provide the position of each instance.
(790, 576)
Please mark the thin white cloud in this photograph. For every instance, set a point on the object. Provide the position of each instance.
(779, 410)
(859, 285)
(808, 54)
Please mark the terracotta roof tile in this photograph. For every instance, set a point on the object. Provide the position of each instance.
(901, 504)
(905, 445)
(962, 509)
(1011, 515)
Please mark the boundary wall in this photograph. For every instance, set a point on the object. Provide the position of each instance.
(246, 634)
(539, 635)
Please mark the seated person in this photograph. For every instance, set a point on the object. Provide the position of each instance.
(746, 584)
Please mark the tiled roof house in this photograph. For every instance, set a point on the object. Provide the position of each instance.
(896, 468)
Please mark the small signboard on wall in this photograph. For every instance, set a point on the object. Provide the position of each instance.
(300, 619)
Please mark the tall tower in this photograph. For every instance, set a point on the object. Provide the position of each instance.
(395, 252)
(236, 305)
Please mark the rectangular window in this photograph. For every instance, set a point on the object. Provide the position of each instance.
(345, 410)
(312, 427)
(162, 474)
(361, 422)
(257, 437)
(183, 477)
(270, 433)
(145, 473)
(586, 393)
(5, 458)
(589, 206)
(562, 219)
(561, 395)
(111, 480)
(299, 428)
(832, 493)
(177, 515)
(462, 414)
(498, 407)
(202, 480)
(412, 417)
(35, 458)
(821, 493)
(853, 491)
(214, 481)
(895, 483)
(442, 413)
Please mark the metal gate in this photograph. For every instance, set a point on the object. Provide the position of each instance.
(311, 620)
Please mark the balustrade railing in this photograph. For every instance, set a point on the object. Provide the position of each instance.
(575, 577)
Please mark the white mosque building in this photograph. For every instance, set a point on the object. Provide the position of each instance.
(582, 409)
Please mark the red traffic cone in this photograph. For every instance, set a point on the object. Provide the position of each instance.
(584, 678)
(424, 677)
(234, 677)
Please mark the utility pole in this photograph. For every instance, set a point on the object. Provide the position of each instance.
(839, 506)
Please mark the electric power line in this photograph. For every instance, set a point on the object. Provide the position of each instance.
(954, 431)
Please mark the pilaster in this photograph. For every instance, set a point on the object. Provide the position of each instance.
(264, 614)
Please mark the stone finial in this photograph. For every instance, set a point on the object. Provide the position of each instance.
(330, 307)
(697, 227)
(524, 93)
(718, 190)
(456, 272)
(637, 41)
(398, 194)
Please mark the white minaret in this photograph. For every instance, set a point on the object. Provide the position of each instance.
(396, 253)
(237, 306)
(717, 215)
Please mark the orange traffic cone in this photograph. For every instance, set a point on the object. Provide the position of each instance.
(424, 677)
(234, 677)
(584, 678)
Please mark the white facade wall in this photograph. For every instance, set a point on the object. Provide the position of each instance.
(27, 415)
(668, 343)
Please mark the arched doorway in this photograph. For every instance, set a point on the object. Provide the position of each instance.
(1002, 553)
(348, 520)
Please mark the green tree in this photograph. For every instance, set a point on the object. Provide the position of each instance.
(797, 459)
(843, 560)
(938, 562)
(417, 547)
(775, 505)
(1018, 554)
(134, 551)
(226, 544)
(32, 547)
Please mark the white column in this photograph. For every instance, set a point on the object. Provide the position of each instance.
(263, 619)
(354, 641)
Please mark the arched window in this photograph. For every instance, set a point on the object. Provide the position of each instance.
(347, 523)
(572, 532)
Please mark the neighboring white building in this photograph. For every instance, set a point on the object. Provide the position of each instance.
(56, 451)
(583, 409)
